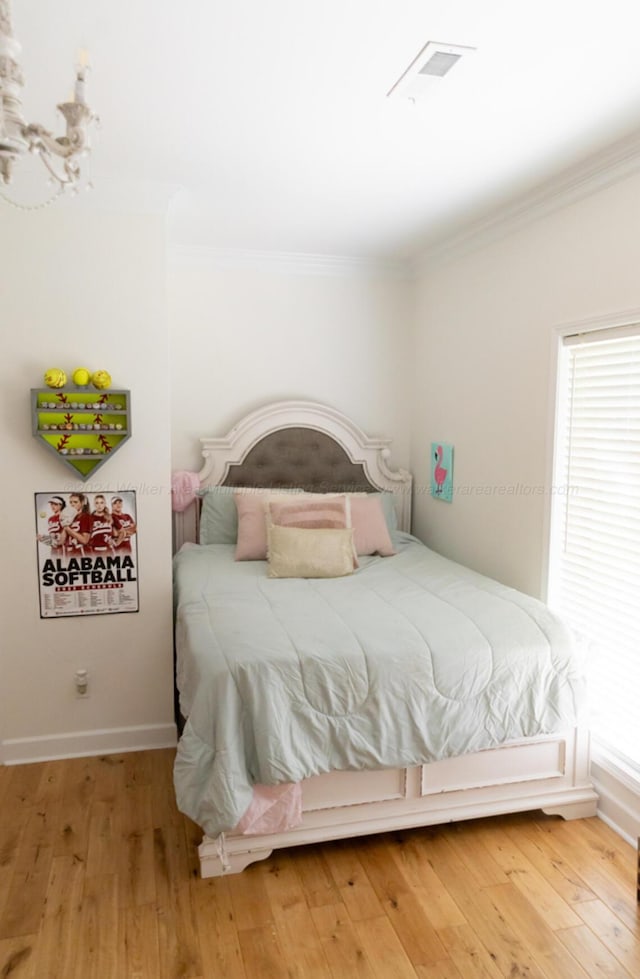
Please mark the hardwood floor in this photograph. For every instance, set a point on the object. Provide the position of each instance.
(99, 880)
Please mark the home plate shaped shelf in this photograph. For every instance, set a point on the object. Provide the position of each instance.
(81, 426)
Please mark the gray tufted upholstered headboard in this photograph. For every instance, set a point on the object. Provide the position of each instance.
(301, 458)
(303, 445)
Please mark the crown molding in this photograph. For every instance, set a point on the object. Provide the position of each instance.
(296, 263)
(597, 172)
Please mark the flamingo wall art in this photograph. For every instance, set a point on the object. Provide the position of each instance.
(442, 471)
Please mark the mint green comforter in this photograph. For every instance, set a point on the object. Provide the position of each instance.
(411, 659)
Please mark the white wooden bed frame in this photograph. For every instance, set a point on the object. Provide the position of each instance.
(547, 772)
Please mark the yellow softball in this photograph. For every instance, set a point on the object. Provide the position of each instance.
(101, 379)
(81, 376)
(55, 378)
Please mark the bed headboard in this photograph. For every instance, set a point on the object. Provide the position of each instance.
(300, 444)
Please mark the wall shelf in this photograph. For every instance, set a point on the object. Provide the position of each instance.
(81, 426)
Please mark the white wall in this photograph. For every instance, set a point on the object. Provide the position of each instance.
(84, 288)
(246, 331)
(205, 340)
(89, 288)
(483, 377)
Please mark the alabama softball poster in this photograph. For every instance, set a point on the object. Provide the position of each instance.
(87, 553)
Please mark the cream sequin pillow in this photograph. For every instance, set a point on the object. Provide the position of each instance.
(309, 553)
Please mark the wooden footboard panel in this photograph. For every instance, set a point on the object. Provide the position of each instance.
(549, 773)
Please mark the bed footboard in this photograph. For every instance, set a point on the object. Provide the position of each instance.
(548, 773)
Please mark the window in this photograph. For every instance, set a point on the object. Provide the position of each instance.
(594, 568)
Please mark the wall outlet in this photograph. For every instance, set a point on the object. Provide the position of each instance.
(81, 679)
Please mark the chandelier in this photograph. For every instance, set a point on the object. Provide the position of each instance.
(60, 154)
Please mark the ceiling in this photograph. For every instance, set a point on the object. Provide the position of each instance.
(270, 123)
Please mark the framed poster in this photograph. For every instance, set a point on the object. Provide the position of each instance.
(442, 471)
(87, 552)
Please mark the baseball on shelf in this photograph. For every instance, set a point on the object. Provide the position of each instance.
(101, 379)
(55, 378)
(81, 376)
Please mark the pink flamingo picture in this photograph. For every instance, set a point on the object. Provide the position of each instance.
(441, 486)
(440, 473)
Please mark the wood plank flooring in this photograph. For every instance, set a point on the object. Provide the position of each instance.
(99, 880)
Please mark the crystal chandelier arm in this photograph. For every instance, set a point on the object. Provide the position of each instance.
(60, 154)
(5, 17)
(71, 169)
(73, 143)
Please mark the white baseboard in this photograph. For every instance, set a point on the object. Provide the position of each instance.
(19, 751)
(618, 796)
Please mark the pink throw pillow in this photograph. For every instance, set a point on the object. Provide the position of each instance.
(313, 512)
(251, 542)
(370, 531)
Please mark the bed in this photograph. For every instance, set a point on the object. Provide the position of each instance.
(404, 691)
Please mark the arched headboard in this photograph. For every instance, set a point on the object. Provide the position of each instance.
(300, 444)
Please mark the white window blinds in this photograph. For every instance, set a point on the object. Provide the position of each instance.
(595, 548)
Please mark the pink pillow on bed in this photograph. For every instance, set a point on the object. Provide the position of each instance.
(361, 511)
(251, 542)
(370, 531)
(311, 511)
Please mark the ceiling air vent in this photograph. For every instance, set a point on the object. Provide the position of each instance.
(439, 64)
(432, 63)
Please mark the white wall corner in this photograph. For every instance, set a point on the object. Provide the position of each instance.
(127, 196)
(618, 796)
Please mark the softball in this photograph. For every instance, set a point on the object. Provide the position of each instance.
(81, 376)
(55, 378)
(101, 379)
(68, 515)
